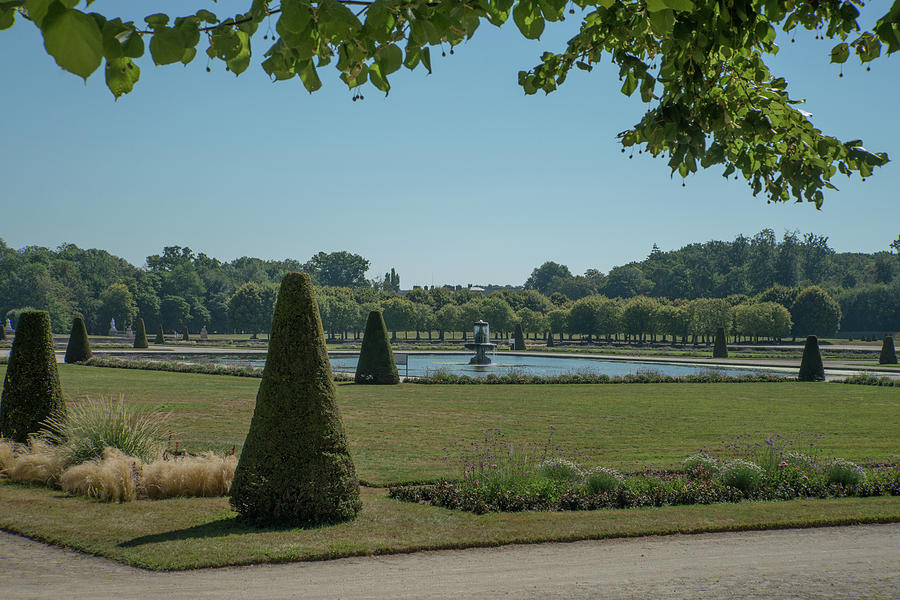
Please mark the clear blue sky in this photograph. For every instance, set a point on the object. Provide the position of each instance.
(456, 177)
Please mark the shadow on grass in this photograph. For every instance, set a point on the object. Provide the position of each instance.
(217, 528)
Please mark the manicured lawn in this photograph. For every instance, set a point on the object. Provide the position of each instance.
(200, 532)
(398, 433)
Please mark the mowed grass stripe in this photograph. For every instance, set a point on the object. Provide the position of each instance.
(399, 433)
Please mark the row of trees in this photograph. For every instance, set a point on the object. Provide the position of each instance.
(718, 269)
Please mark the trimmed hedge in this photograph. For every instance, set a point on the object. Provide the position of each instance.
(518, 338)
(376, 359)
(31, 390)
(720, 349)
(888, 355)
(295, 467)
(140, 335)
(79, 347)
(811, 367)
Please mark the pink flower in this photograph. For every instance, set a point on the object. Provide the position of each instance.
(783, 464)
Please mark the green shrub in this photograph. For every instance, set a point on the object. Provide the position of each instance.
(140, 335)
(700, 465)
(79, 346)
(811, 367)
(518, 338)
(185, 335)
(601, 479)
(295, 467)
(720, 348)
(888, 355)
(376, 360)
(844, 472)
(559, 469)
(550, 343)
(160, 336)
(86, 428)
(741, 474)
(31, 390)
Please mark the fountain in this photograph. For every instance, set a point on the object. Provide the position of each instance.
(481, 344)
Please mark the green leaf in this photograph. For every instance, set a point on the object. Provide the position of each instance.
(73, 39)
(121, 75)
(37, 10)
(528, 19)
(380, 21)
(7, 17)
(207, 17)
(679, 5)
(840, 53)
(378, 80)
(132, 44)
(389, 59)
(426, 59)
(296, 15)
(308, 76)
(156, 21)
(630, 84)
(336, 21)
(239, 63)
(225, 43)
(166, 46)
(662, 22)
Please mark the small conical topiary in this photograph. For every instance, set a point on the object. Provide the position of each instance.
(31, 390)
(140, 335)
(720, 348)
(79, 346)
(295, 467)
(518, 338)
(888, 355)
(2, 331)
(550, 343)
(376, 360)
(160, 336)
(185, 336)
(811, 367)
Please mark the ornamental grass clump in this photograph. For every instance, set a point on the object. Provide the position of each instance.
(560, 470)
(700, 466)
(844, 472)
(601, 479)
(376, 359)
(113, 478)
(206, 475)
(79, 347)
(295, 467)
(90, 426)
(31, 390)
(742, 474)
(37, 463)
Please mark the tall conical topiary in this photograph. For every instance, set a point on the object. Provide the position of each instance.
(811, 367)
(140, 335)
(79, 346)
(185, 335)
(31, 388)
(160, 336)
(550, 343)
(295, 467)
(720, 348)
(888, 355)
(2, 331)
(518, 338)
(376, 360)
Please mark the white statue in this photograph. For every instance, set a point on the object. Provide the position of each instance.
(112, 327)
(8, 325)
(204, 334)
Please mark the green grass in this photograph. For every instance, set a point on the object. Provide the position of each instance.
(398, 433)
(186, 533)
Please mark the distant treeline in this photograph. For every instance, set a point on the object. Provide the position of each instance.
(755, 287)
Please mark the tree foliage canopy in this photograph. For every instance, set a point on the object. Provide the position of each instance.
(699, 65)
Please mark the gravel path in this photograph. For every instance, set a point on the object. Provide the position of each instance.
(840, 562)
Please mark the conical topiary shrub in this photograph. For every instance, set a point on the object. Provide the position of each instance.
(550, 343)
(2, 331)
(31, 388)
(518, 338)
(295, 467)
(811, 368)
(160, 336)
(720, 348)
(888, 355)
(79, 346)
(185, 335)
(140, 335)
(376, 360)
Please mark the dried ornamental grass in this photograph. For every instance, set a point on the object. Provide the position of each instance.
(7, 455)
(204, 475)
(113, 479)
(40, 464)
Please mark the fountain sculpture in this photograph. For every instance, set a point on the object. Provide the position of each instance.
(481, 344)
